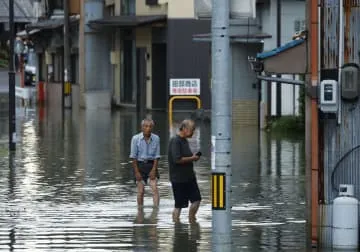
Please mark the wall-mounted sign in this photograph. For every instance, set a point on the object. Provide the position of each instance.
(184, 86)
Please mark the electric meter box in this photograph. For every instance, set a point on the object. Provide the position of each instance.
(350, 82)
(329, 96)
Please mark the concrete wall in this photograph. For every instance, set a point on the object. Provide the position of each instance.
(181, 9)
(94, 44)
(245, 94)
(53, 95)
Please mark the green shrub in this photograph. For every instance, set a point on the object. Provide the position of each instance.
(287, 124)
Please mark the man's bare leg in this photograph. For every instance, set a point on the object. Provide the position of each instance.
(194, 207)
(140, 193)
(140, 215)
(176, 215)
(156, 197)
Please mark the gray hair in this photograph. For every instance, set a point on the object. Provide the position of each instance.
(187, 124)
(147, 120)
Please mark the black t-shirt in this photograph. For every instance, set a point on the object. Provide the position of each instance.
(178, 148)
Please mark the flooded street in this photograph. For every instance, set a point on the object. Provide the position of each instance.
(69, 187)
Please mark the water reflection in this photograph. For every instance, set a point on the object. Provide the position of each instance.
(11, 210)
(71, 178)
(145, 231)
(186, 236)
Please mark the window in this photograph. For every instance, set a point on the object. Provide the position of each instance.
(152, 2)
(299, 25)
(110, 11)
(127, 7)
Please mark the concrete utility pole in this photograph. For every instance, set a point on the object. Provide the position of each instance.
(221, 118)
(12, 117)
(66, 94)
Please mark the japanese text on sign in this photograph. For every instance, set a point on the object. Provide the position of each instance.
(184, 86)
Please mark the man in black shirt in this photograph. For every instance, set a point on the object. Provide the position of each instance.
(181, 171)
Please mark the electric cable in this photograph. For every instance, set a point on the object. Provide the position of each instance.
(337, 166)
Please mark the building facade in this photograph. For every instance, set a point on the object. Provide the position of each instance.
(142, 45)
(46, 33)
(125, 52)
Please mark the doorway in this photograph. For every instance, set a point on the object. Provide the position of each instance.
(159, 85)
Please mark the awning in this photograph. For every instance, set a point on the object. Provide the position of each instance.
(287, 59)
(240, 38)
(128, 21)
(25, 33)
(50, 23)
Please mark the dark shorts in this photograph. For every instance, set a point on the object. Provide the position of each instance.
(145, 169)
(185, 192)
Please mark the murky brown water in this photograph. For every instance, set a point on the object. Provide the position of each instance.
(69, 188)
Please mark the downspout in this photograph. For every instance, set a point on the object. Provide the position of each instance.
(278, 44)
(341, 53)
(314, 43)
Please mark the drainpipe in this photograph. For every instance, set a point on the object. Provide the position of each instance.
(278, 44)
(341, 51)
(314, 39)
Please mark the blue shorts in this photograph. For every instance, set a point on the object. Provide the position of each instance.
(185, 192)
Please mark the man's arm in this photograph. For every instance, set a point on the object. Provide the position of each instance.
(157, 157)
(185, 160)
(133, 156)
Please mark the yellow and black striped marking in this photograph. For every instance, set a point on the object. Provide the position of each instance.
(218, 187)
(67, 89)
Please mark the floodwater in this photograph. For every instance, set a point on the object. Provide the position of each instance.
(69, 187)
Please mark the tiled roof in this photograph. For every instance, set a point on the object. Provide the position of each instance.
(23, 11)
(280, 49)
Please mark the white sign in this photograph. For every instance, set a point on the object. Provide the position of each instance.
(184, 86)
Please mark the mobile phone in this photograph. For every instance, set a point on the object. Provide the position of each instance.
(198, 153)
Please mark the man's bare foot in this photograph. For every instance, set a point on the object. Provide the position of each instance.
(192, 219)
(176, 219)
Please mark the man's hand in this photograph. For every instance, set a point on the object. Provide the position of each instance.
(152, 174)
(138, 176)
(195, 157)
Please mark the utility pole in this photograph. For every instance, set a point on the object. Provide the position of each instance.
(12, 116)
(221, 132)
(66, 94)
